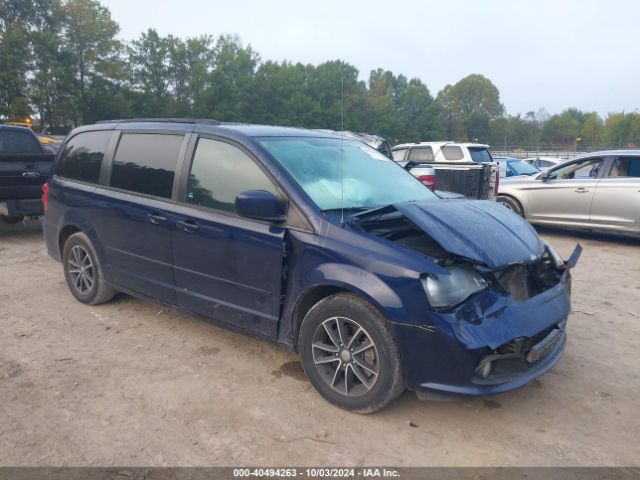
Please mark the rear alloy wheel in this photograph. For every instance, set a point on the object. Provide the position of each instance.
(511, 203)
(83, 272)
(349, 354)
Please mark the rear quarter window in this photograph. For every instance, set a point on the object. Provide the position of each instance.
(82, 156)
(146, 163)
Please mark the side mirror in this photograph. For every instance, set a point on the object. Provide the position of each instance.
(545, 176)
(259, 205)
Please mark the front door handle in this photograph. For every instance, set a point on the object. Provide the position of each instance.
(581, 190)
(156, 218)
(188, 225)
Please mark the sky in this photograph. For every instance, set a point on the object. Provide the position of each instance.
(540, 54)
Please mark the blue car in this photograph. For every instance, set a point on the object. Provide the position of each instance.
(315, 242)
(514, 167)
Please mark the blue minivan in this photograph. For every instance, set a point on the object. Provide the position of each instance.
(316, 242)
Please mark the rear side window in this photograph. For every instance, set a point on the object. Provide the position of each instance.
(82, 156)
(19, 143)
(146, 163)
(625, 167)
(219, 172)
(480, 155)
(421, 154)
(452, 152)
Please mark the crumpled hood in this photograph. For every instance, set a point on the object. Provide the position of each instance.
(479, 230)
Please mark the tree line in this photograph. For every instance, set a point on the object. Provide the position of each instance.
(61, 61)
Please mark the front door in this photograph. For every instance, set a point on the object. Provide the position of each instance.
(565, 196)
(226, 267)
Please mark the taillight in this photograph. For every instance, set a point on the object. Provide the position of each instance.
(497, 180)
(428, 181)
(45, 195)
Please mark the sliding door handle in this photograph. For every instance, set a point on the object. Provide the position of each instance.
(188, 225)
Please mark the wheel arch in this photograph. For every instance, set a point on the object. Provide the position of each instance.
(315, 294)
(64, 234)
(71, 227)
(519, 201)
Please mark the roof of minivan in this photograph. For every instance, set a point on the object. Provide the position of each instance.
(274, 131)
(207, 125)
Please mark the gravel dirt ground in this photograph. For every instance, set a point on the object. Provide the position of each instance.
(133, 383)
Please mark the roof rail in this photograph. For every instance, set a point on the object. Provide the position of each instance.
(198, 121)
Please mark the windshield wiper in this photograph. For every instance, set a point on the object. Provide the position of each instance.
(346, 209)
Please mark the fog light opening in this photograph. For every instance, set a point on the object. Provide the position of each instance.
(484, 367)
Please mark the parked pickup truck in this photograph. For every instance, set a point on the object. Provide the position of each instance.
(24, 168)
(464, 168)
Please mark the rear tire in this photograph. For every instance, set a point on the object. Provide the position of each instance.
(12, 220)
(83, 271)
(349, 355)
(510, 203)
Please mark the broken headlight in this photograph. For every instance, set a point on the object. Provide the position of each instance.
(555, 256)
(448, 290)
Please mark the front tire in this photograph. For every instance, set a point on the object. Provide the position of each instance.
(83, 271)
(349, 354)
(510, 203)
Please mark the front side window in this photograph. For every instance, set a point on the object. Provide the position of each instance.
(219, 172)
(452, 152)
(421, 154)
(625, 167)
(583, 169)
(350, 174)
(146, 163)
(82, 156)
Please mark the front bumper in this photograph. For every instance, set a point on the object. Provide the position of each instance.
(26, 207)
(445, 356)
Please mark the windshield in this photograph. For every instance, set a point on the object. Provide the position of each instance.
(480, 155)
(370, 179)
(520, 167)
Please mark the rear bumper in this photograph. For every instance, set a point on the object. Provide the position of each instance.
(26, 207)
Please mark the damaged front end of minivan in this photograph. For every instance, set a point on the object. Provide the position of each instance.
(497, 307)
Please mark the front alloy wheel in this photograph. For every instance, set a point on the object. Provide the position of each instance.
(345, 356)
(349, 354)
